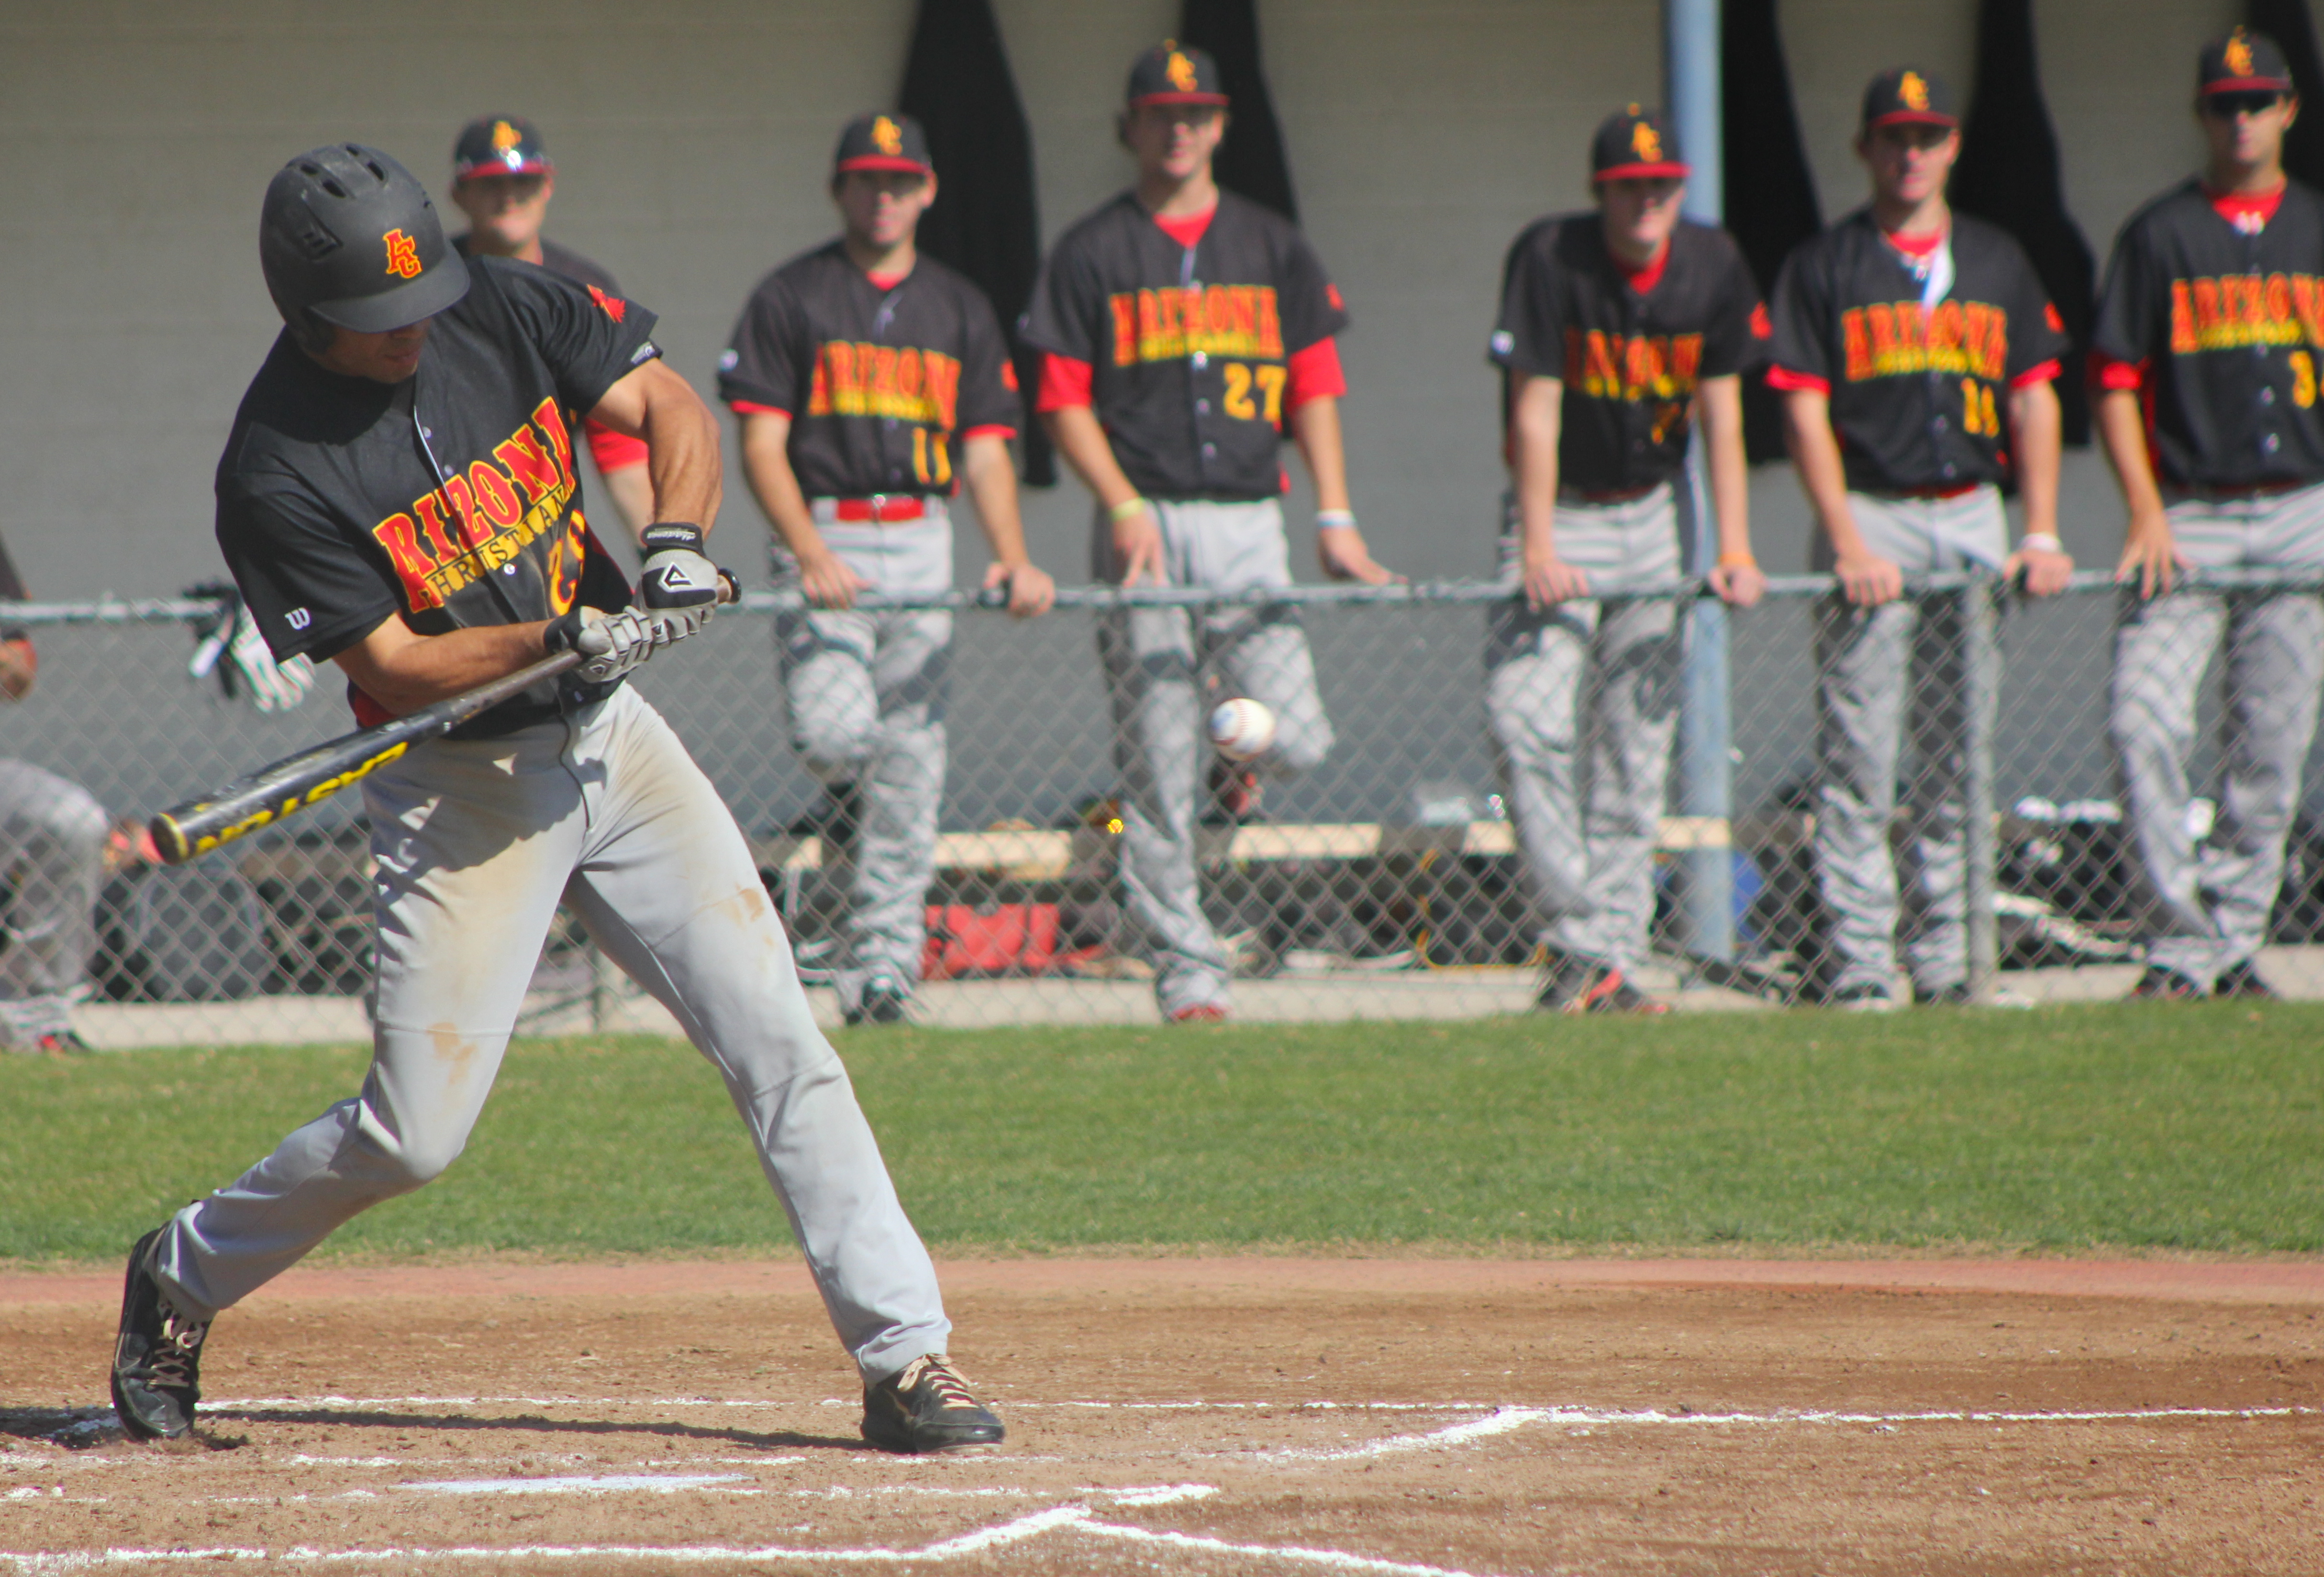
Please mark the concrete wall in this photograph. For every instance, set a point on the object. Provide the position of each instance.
(691, 139)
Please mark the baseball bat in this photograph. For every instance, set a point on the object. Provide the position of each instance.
(286, 787)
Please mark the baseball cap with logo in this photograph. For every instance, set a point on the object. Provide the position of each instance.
(1174, 73)
(1633, 144)
(882, 142)
(499, 144)
(1908, 95)
(2242, 62)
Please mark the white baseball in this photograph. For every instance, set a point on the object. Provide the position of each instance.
(1243, 728)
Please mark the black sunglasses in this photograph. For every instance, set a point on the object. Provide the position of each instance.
(2226, 106)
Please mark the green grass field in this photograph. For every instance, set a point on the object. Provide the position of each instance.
(2064, 1130)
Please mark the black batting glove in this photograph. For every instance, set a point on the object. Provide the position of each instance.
(676, 573)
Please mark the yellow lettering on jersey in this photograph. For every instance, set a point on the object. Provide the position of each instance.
(1633, 368)
(1170, 324)
(860, 379)
(496, 514)
(2237, 311)
(1889, 339)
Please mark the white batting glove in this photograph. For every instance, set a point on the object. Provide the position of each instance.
(612, 644)
(676, 574)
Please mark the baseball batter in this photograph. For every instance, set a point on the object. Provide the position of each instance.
(398, 495)
(869, 380)
(1914, 348)
(1185, 331)
(2210, 326)
(503, 178)
(1614, 325)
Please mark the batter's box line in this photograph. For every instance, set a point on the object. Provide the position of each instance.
(1073, 1518)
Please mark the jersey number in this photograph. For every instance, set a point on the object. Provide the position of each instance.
(923, 443)
(1979, 418)
(1238, 401)
(2303, 379)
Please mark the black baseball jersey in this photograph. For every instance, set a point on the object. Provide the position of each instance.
(450, 497)
(1919, 398)
(1188, 346)
(2227, 326)
(1629, 362)
(876, 382)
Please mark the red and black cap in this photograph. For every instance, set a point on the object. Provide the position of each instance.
(1174, 73)
(499, 144)
(1909, 96)
(883, 141)
(2242, 62)
(1633, 144)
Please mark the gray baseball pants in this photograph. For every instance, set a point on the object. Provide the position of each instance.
(867, 696)
(1884, 673)
(1153, 658)
(2207, 907)
(52, 856)
(1583, 700)
(477, 841)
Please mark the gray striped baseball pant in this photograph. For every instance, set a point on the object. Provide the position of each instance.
(2205, 906)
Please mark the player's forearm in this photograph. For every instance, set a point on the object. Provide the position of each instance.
(2122, 430)
(767, 467)
(404, 671)
(1537, 425)
(1082, 440)
(1815, 451)
(1315, 429)
(682, 465)
(2036, 432)
(1720, 402)
(993, 483)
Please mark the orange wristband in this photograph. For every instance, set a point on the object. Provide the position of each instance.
(1737, 561)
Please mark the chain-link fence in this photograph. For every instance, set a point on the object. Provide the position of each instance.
(1389, 881)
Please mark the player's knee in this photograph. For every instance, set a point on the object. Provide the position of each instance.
(834, 748)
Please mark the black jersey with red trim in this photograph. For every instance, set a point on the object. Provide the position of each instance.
(450, 497)
(880, 383)
(1919, 400)
(1630, 361)
(2225, 326)
(1188, 346)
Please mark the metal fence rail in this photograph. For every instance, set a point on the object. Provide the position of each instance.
(1386, 882)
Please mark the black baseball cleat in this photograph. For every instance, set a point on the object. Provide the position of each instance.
(2161, 983)
(884, 1001)
(927, 1410)
(1578, 985)
(157, 1359)
(2244, 980)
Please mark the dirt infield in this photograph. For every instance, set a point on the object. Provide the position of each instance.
(1235, 1415)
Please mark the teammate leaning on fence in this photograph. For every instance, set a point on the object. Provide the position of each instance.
(870, 379)
(1613, 326)
(1186, 329)
(398, 495)
(2210, 326)
(1915, 349)
(503, 178)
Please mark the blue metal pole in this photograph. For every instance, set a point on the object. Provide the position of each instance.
(1705, 787)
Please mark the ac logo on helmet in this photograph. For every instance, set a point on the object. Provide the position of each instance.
(1647, 146)
(887, 136)
(403, 255)
(2239, 55)
(1181, 72)
(1913, 91)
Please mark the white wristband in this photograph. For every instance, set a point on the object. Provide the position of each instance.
(2040, 542)
(1325, 519)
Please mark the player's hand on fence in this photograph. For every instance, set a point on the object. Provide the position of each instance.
(1343, 556)
(676, 573)
(2040, 565)
(1138, 543)
(1869, 580)
(1739, 584)
(826, 580)
(2149, 556)
(1550, 580)
(1031, 592)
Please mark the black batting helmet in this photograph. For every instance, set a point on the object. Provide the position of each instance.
(348, 235)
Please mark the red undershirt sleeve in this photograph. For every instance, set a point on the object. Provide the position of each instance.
(1785, 378)
(2106, 372)
(1314, 372)
(990, 430)
(751, 407)
(1064, 383)
(2040, 373)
